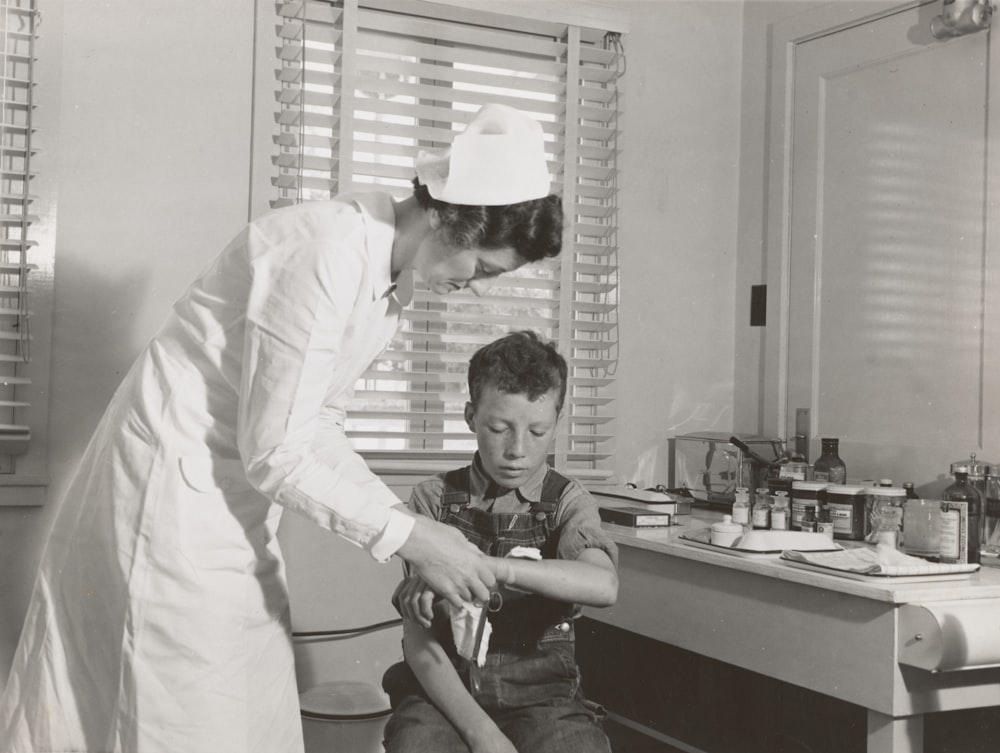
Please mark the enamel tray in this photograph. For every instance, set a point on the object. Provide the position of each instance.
(701, 539)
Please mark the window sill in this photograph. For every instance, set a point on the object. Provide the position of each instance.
(23, 490)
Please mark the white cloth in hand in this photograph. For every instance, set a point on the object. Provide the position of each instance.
(464, 625)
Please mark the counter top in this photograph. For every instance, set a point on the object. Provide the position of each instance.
(984, 584)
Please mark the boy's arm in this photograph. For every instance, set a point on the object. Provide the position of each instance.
(590, 579)
(444, 688)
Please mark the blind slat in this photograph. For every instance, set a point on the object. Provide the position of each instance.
(359, 90)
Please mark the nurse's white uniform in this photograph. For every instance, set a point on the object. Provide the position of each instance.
(159, 620)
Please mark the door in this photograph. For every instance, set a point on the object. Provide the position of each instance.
(878, 243)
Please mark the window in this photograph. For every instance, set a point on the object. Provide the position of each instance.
(16, 219)
(364, 84)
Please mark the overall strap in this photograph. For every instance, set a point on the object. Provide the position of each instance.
(553, 486)
(457, 489)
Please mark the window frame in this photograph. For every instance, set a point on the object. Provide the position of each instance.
(24, 476)
(528, 16)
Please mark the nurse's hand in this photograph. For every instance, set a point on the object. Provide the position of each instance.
(452, 567)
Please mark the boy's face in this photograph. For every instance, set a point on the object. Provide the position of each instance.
(513, 433)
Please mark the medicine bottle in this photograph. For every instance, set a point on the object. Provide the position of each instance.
(760, 516)
(805, 495)
(808, 520)
(780, 512)
(824, 524)
(829, 467)
(883, 511)
(963, 491)
(846, 504)
(741, 508)
(922, 523)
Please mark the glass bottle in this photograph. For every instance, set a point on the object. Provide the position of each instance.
(741, 508)
(829, 466)
(991, 516)
(809, 520)
(780, 512)
(760, 516)
(963, 491)
(824, 523)
(911, 492)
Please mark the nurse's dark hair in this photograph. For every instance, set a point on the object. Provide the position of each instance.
(521, 363)
(532, 228)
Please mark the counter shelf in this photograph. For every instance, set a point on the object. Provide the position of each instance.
(715, 604)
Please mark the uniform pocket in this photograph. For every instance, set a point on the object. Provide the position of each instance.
(222, 517)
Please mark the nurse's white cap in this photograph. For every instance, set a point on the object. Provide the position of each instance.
(498, 159)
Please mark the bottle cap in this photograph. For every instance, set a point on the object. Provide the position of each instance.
(975, 468)
(848, 490)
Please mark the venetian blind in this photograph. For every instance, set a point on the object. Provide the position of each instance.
(362, 86)
(19, 20)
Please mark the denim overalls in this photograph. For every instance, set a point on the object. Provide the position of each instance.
(530, 683)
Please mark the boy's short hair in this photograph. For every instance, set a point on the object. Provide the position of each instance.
(520, 363)
(532, 228)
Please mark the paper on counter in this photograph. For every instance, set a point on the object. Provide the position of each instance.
(878, 561)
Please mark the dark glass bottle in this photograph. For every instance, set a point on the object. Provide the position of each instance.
(829, 466)
(963, 491)
(809, 520)
(911, 492)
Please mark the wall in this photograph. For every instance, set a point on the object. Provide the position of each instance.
(678, 217)
(153, 131)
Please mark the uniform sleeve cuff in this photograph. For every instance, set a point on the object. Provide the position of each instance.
(393, 536)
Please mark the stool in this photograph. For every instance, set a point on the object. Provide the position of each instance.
(343, 717)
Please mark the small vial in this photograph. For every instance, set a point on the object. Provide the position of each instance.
(780, 514)
(741, 508)
(824, 523)
(761, 513)
(808, 520)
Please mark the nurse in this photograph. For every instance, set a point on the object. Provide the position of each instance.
(159, 619)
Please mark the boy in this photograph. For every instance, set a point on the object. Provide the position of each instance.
(526, 695)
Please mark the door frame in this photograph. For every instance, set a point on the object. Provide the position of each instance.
(785, 37)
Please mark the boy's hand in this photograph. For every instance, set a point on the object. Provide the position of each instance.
(414, 600)
(448, 562)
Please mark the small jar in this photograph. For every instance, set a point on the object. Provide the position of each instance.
(760, 516)
(727, 532)
(780, 511)
(883, 510)
(922, 523)
(847, 511)
(805, 495)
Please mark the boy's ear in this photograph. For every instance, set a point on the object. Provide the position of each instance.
(470, 415)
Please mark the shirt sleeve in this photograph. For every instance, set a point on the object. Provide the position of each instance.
(302, 295)
(580, 525)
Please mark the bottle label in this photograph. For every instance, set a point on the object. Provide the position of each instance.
(761, 517)
(950, 549)
(842, 517)
(799, 511)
